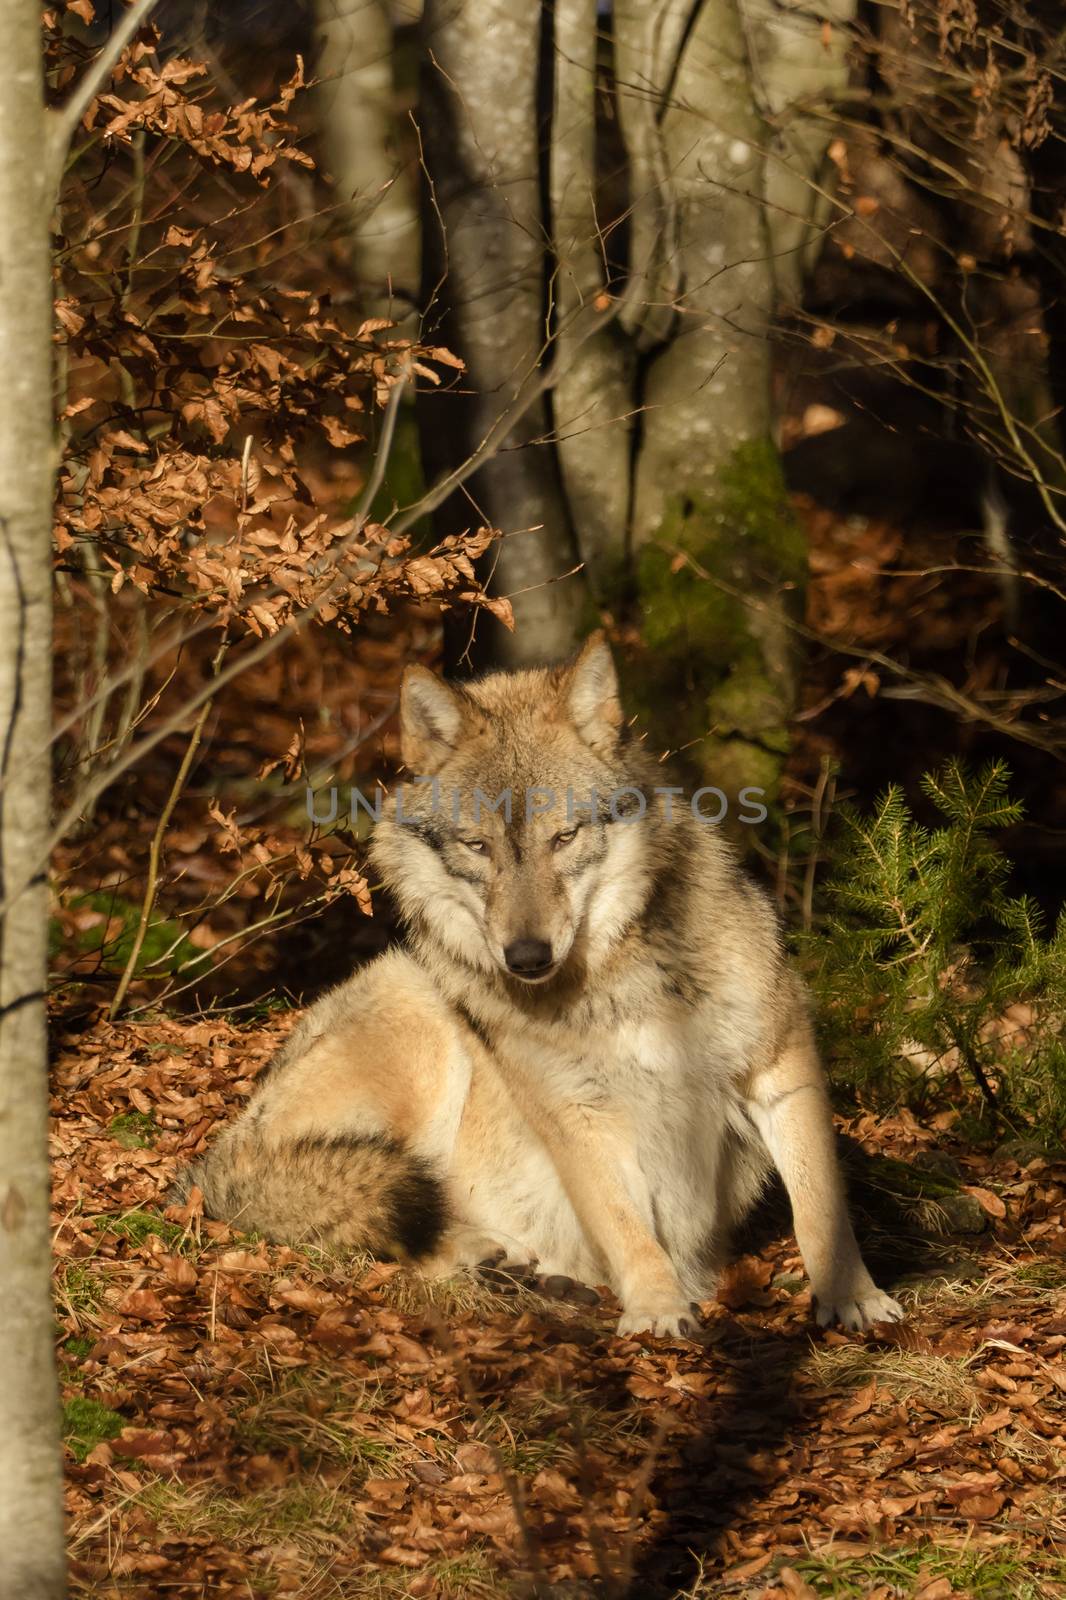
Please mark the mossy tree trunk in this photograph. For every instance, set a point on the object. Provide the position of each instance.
(706, 484)
(653, 455)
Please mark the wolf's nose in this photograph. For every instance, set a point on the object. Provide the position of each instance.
(527, 957)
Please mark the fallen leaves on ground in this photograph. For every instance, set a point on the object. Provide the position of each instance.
(285, 1422)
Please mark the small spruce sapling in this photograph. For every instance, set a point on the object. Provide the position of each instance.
(928, 973)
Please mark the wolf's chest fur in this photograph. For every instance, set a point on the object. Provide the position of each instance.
(663, 1069)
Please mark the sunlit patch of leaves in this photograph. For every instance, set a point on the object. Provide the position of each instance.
(293, 1393)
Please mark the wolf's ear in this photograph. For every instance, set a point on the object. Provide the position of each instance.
(430, 719)
(592, 695)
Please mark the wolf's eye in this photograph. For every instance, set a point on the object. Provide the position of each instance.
(478, 846)
(565, 837)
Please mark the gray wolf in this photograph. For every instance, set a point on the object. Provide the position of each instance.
(591, 1052)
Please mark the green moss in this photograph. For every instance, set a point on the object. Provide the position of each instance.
(133, 1130)
(136, 1226)
(164, 940)
(86, 1423)
(753, 503)
(682, 611)
(735, 764)
(719, 665)
(749, 702)
(82, 1287)
(1042, 1275)
(1006, 1574)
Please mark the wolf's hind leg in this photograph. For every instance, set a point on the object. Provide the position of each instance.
(790, 1107)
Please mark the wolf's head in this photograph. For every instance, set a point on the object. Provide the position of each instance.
(504, 844)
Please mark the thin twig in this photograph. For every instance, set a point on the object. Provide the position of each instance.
(156, 851)
(931, 688)
(63, 121)
(823, 800)
(980, 1078)
(381, 457)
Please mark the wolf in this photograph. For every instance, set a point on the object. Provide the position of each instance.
(590, 1053)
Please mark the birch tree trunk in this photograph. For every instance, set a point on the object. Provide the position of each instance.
(32, 1563)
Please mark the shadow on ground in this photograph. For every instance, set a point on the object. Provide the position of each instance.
(902, 1215)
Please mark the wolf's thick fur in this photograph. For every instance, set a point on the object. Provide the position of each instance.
(591, 1052)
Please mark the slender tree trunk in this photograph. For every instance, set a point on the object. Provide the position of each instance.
(707, 488)
(708, 266)
(593, 393)
(798, 66)
(31, 1518)
(375, 189)
(484, 251)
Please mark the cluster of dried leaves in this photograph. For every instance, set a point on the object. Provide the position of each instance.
(200, 371)
(272, 1421)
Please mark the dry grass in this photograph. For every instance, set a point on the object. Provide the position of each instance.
(945, 1381)
(1026, 1279)
(326, 1418)
(311, 1516)
(462, 1296)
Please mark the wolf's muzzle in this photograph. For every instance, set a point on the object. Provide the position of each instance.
(529, 958)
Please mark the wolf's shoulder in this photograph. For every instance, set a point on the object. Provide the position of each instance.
(711, 923)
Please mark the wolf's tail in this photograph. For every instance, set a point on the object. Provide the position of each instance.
(357, 1191)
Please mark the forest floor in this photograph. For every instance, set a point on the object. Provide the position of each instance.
(253, 1420)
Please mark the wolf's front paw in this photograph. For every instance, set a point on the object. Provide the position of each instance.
(662, 1322)
(857, 1308)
